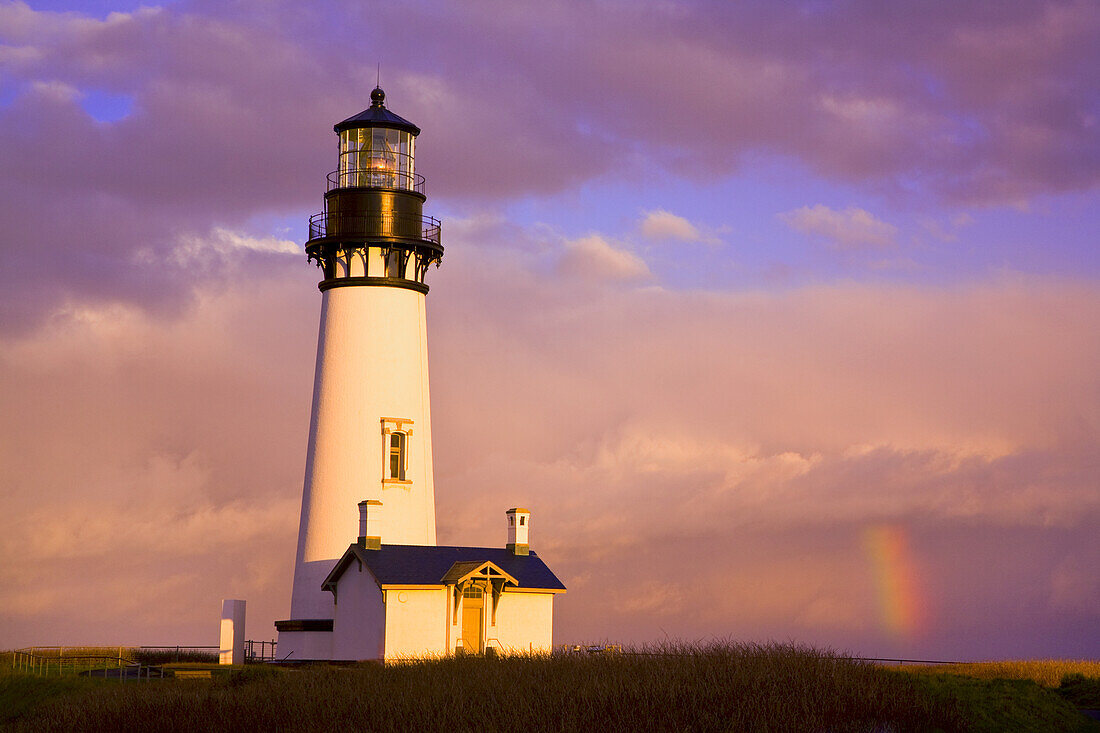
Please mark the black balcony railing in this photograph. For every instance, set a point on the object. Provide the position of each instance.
(368, 226)
(376, 178)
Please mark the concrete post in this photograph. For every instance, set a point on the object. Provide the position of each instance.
(231, 646)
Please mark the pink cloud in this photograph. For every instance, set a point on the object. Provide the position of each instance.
(593, 257)
(736, 444)
(231, 108)
(156, 350)
(851, 228)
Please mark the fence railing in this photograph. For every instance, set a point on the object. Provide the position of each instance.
(376, 178)
(259, 651)
(124, 662)
(365, 226)
(42, 664)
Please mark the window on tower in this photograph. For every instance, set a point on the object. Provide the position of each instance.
(397, 455)
(396, 432)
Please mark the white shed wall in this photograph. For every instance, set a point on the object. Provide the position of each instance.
(416, 623)
(359, 621)
(297, 646)
(525, 623)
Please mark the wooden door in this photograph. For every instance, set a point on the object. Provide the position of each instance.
(473, 605)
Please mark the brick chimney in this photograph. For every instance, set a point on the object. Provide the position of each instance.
(370, 524)
(519, 521)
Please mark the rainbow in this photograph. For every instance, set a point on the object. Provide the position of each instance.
(896, 579)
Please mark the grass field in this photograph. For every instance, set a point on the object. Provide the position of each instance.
(720, 687)
(1047, 672)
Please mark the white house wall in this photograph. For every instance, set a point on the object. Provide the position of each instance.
(359, 620)
(525, 623)
(416, 623)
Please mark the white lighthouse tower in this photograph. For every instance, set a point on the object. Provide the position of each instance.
(370, 436)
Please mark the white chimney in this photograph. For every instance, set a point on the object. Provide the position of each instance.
(370, 524)
(519, 521)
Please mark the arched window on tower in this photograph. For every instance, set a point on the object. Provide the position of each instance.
(396, 432)
(397, 455)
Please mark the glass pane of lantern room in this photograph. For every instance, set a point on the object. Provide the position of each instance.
(383, 153)
(391, 156)
(403, 178)
(347, 160)
(362, 158)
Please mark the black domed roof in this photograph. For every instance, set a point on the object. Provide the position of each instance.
(377, 116)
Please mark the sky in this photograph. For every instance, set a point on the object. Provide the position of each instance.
(782, 318)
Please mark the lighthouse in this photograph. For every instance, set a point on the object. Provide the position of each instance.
(370, 435)
(392, 593)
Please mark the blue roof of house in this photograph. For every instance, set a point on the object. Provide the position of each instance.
(427, 564)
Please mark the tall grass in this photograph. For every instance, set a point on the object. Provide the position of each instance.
(699, 688)
(1047, 672)
(719, 687)
(169, 655)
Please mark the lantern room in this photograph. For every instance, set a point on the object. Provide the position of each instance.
(377, 149)
(372, 230)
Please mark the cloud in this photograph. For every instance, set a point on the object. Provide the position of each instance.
(664, 225)
(155, 367)
(224, 241)
(962, 106)
(647, 429)
(847, 229)
(594, 257)
(946, 231)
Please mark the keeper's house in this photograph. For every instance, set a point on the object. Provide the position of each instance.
(394, 602)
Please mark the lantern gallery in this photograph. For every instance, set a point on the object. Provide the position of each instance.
(393, 593)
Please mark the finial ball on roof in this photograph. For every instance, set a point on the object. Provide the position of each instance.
(377, 97)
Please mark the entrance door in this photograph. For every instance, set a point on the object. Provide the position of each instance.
(473, 605)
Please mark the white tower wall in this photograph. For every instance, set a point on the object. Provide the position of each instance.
(372, 363)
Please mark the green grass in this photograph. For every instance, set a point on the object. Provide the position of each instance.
(22, 694)
(1082, 691)
(995, 692)
(1047, 672)
(720, 687)
(1006, 704)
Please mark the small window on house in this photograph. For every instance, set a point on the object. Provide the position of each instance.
(511, 521)
(521, 521)
(397, 455)
(471, 591)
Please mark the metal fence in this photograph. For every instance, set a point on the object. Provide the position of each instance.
(41, 662)
(259, 651)
(124, 662)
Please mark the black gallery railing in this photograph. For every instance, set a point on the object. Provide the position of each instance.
(367, 226)
(376, 178)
